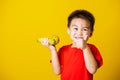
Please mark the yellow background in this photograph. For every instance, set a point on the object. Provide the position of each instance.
(22, 22)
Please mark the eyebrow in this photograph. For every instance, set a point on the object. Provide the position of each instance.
(82, 27)
(75, 25)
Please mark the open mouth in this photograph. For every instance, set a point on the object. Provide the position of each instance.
(78, 37)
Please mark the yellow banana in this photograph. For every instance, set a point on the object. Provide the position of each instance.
(52, 40)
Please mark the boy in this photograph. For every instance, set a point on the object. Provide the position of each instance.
(79, 60)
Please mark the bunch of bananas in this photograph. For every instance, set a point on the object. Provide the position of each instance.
(52, 40)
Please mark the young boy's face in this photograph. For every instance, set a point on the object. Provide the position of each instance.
(79, 29)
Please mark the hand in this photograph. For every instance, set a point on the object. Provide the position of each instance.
(45, 42)
(82, 42)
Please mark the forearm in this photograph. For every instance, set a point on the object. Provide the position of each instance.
(54, 56)
(55, 62)
(90, 61)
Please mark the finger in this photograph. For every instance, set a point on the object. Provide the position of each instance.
(45, 41)
(85, 37)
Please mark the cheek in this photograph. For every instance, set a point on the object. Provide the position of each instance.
(88, 33)
(71, 34)
(84, 34)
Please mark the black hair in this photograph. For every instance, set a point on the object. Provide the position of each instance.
(82, 14)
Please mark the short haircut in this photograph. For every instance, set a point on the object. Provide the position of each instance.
(82, 14)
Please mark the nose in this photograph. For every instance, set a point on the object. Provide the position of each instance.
(79, 32)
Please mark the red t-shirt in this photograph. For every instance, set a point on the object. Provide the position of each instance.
(73, 65)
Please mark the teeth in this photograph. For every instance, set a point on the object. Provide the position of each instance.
(78, 38)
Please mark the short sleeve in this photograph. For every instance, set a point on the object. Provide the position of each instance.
(96, 54)
(60, 54)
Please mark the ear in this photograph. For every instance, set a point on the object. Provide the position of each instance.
(91, 34)
(68, 30)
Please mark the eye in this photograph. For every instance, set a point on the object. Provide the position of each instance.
(75, 28)
(85, 29)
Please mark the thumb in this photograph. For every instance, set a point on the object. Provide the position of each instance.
(85, 37)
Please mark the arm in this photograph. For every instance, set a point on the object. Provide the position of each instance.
(90, 61)
(54, 56)
(55, 61)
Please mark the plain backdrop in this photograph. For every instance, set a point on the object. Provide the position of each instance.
(22, 22)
